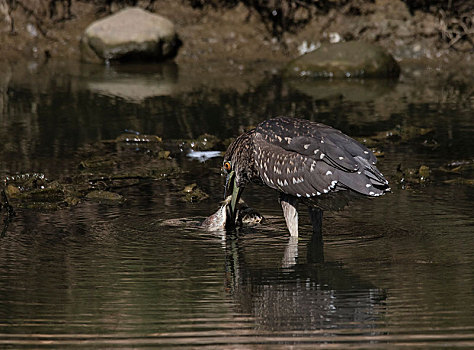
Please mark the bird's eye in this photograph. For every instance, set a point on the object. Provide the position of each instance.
(227, 166)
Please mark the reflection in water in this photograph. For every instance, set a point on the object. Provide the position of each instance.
(310, 295)
(353, 90)
(136, 85)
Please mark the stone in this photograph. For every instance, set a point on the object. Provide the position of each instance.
(132, 34)
(353, 59)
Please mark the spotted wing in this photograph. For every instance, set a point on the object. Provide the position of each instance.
(290, 172)
(308, 159)
(315, 140)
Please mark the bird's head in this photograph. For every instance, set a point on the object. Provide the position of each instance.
(237, 161)
(233, 188)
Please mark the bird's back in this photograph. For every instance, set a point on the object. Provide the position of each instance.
(313, 160)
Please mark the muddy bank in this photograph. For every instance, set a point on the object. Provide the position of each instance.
(236, 38)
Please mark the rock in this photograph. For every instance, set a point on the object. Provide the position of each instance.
(351, 59)
(128, 35)
(12, 191)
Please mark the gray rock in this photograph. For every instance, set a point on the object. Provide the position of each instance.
(129, 35)
(351, 59)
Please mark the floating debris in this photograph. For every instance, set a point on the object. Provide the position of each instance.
(458, 166)
(98, 162)
(106, 196)
(138, 138)
(399, 134)
(164, 154)
(128, 160)
(202, 156)
(460, 181)
(413, 176)
(192, 193)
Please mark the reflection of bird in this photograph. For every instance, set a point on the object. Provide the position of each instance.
(304, 161)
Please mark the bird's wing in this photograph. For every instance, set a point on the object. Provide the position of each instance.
(315, 140)
(300, 171)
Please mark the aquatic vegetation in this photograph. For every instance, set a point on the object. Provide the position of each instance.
(192, 193)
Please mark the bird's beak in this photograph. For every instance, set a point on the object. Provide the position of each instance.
(232, 188)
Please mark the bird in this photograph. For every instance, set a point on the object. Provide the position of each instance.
(306, 162)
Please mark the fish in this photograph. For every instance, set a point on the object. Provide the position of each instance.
(246, 216)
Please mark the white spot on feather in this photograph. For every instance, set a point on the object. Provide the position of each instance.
(316, 151)
(371, 193)
(297, 180)
(341, 158)
(299, 195)
(368, 185)
(308, 195)
(306, 146)
(321, 156)
(329, 172)
(366, 152)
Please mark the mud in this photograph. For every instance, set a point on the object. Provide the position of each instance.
(235, 39)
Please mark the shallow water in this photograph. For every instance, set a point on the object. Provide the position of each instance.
(395, 272)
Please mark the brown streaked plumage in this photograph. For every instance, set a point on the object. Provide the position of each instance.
(304, 161)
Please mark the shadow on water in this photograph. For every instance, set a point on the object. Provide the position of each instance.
(136, 273)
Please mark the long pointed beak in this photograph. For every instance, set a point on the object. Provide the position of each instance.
(231, 187)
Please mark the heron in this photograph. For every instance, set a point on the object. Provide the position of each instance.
(306, 162)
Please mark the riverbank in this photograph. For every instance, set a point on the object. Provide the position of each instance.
(236, 38)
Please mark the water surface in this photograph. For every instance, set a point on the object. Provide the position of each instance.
(396, 271)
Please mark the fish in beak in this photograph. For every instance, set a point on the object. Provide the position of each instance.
(232, 189)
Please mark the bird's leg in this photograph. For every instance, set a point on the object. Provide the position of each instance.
(316, 216)
(315, 245)
(289, 205)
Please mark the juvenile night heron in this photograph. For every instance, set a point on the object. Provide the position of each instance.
(305, 162)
